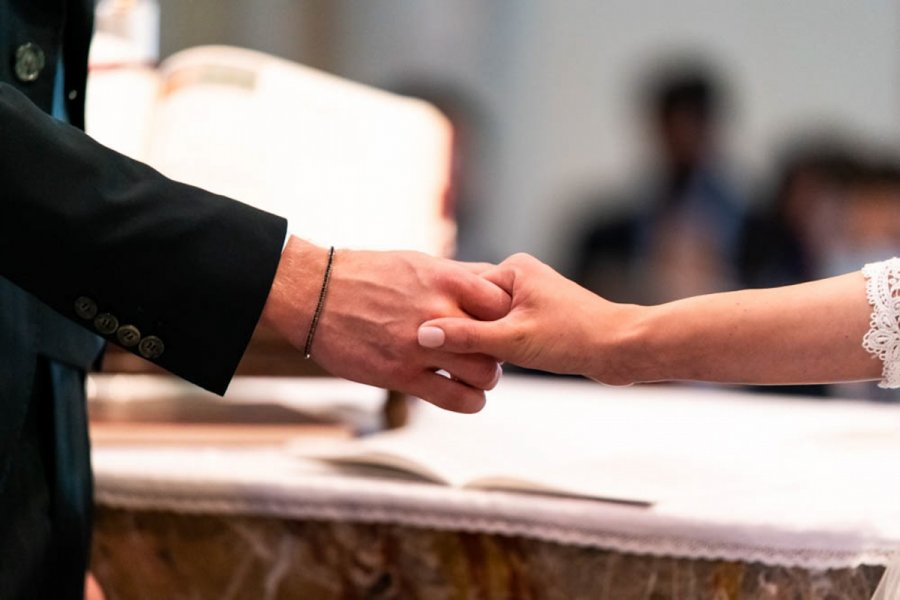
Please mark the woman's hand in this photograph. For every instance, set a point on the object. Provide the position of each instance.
(806, 333)
(553, 325)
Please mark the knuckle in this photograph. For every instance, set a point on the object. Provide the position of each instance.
(441, 277)
(468, 339)
(521, 258)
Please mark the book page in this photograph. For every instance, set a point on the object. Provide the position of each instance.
(513, 448)
(632, 478)
(348, 165)
(417, 452)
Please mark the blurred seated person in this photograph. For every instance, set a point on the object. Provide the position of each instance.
(680, 232)
(794, 235)
(870, 219)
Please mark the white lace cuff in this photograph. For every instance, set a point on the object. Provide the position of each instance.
(883, 337)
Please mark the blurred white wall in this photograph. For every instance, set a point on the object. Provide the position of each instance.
(557, 79)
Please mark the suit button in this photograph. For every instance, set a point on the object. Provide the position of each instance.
(128, 335)
(85, 308)
(151, 347)
(106, 323)
(29, 62)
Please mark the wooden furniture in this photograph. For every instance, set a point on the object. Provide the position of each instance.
(268, 355)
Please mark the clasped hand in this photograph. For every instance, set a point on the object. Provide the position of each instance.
(374, 305)
(429, 327)
(553, 324)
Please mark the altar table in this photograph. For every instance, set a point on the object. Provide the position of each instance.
(756, 497)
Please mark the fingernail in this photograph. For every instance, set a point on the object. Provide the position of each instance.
(498, 375)
(431, 337)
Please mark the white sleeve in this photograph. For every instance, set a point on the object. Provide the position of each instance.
(883, 337)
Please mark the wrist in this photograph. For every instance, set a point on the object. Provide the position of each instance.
(627, 353)
(659, 344)
(295, 289)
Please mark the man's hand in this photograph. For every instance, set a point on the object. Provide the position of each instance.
(374, 304)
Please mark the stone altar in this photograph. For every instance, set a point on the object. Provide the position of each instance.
(148, 555)
(757, 498)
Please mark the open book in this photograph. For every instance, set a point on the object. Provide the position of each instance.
(506, 447)
(400, 453)
(348, 165)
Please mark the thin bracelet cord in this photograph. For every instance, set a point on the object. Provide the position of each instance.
(321, 303)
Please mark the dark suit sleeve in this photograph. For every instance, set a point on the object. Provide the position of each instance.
(82, 226)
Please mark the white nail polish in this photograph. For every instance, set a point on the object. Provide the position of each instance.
(431, 337)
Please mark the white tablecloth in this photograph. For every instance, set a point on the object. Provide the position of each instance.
(733, 476)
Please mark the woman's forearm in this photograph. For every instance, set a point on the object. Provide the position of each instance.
(807, 333)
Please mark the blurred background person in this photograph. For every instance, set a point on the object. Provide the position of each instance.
(791, 235)
(679, 234)
(870, 219)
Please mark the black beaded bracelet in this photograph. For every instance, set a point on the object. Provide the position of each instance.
(315, 320)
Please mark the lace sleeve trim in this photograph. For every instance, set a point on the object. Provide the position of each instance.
(883, 337)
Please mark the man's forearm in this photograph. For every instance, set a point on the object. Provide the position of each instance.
(120, 249)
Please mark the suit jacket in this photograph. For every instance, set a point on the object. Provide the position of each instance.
(94, 245)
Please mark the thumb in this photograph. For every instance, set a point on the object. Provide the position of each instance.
(464, 336)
